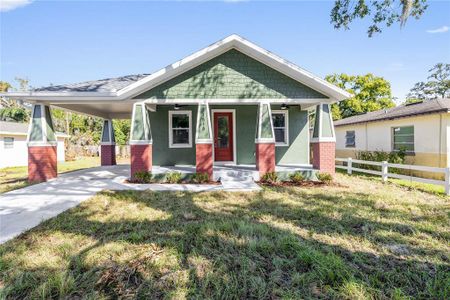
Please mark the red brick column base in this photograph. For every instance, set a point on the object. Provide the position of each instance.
(204, 159)
(323, 156)
(42, 163)
(108, 155)
(265, 158)
(141, 158)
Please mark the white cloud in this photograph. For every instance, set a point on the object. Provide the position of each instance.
(6, 5)
(439, 30)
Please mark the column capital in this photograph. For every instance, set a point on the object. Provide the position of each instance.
(323, 125)
(203, 133)
(107, 137)
(264, 126)
(41, 131)
(141, 133)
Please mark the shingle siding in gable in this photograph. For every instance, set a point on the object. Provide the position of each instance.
(232, 75)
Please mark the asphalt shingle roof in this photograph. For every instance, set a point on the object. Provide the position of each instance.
(102, 85)
(426, 107)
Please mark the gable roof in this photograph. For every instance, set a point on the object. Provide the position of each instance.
(402, 111)
(20, 129)
(88, 90)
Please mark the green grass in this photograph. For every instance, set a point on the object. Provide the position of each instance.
(424, 187)
(14, 178)
(358, 239)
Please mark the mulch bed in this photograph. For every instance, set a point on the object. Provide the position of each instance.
(300, 184)
(182, 182)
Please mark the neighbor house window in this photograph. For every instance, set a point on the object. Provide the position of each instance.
(403, 138)
(8, 142)
(180, 129)
(280, 127)
(350, 139)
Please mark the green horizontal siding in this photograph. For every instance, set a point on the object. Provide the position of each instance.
(232, 75)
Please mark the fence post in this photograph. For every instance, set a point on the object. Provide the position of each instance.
(384, 171)
(349, 166)
(447, 181)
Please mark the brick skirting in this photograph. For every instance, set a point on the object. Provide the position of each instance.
(324, 156)
(108, 155)
(141, 158)
(42, 163)
(204, 159)
(265, 158)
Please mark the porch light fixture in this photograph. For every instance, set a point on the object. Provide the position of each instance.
(176, 107)
(284, 106)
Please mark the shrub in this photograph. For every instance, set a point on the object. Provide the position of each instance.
(269, 177)
(173, 177)
(200, 178)
(395, 157)
(143, 177)
(297, 177)
(325, 177)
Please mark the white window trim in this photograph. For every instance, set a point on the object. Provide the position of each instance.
(180, 112)
(286, 127)
(406, 143)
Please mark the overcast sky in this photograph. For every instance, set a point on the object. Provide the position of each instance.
(52, 42)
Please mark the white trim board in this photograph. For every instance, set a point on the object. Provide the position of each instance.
(231, 42)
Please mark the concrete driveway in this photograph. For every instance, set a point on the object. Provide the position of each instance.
(27, 207)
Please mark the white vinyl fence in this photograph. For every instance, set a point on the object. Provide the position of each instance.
(384, 173)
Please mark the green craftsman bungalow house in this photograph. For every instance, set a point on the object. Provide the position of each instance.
(231, 103)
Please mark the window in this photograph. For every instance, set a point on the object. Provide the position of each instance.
(403, 138)
(180, 129)
(280, 127)
(8, 142)
(350, 139)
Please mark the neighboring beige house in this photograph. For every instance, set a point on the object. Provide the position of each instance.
(13, 144)
(423, 129)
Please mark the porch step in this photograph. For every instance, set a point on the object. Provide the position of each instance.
(239, 180)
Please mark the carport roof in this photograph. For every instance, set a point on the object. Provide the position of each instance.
(102, 85)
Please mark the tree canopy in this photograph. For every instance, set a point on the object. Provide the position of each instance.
(437, 86)
(381, 12)
(370, 93)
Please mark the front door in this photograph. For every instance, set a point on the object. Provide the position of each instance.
(223, 136)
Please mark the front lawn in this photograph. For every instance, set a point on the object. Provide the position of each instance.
(355, 240)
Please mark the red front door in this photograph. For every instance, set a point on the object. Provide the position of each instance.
(223, 136)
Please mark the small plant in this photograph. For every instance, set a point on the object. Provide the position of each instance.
(143, 177)
(325, 177)
(200, 178)
(173, 177)
(269, 177)
(297, 177)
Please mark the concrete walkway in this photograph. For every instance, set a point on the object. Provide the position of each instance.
(27, 207)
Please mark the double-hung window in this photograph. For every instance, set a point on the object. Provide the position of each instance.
(280, 126)
(180, 129)
(350, 139)
(403, 138)
(8, 142)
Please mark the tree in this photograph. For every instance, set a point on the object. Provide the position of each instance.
(12, 109)
(382, 12)
(370, 93)
(437, 86)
